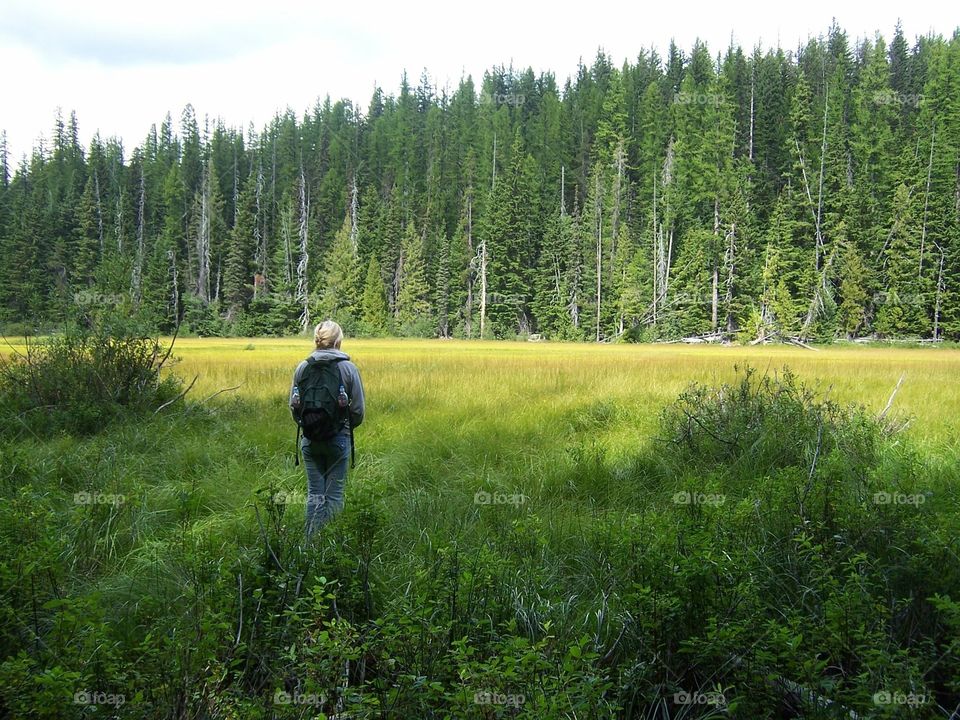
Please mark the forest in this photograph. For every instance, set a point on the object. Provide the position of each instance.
(811, 194)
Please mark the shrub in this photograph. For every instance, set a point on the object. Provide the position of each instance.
(762, 424)
(83, 380)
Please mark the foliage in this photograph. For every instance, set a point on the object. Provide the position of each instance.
(728, 194)
(83, 380)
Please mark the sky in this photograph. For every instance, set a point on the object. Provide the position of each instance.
(122, 65)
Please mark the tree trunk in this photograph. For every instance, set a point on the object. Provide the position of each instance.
(260, 260)
(138, 261)
(303, 296)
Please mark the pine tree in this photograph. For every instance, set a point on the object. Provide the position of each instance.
(442, 296)
(702, 193)
(241, 253)
(413, 291)
(373, 306)
(511, 245)
(853, 287)
(341, 278)
(901, 305)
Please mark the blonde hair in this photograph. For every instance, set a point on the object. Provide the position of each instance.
(328, 334)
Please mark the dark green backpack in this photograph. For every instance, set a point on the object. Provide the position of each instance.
(320, 415)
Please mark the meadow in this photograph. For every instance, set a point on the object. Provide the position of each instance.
(530, 531)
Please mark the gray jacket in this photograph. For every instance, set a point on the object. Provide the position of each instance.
(351, 382)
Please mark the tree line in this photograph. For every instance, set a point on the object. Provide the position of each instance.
(810, 194)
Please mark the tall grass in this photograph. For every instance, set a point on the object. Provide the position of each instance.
(583, 585)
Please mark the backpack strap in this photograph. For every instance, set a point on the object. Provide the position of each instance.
(296, 448)
(353, 459)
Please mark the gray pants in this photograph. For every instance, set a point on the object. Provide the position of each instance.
(326, 464)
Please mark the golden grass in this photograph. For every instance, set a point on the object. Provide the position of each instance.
(518, 383)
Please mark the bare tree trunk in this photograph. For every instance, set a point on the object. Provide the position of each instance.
(936, 310)
(666, 268)
(816, 302)
(96, 189)
(665, 253)
(806, 187)
(119, 220)
(615, 212)
(823, 157)
(136, 279)
(259, 242)
(730, 261)
(303, 296)
(574, 306)
(175, 294)
(203, 240)
(354, 204)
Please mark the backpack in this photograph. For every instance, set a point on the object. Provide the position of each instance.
(319, 415)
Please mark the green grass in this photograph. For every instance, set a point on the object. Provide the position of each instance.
(596, 582)
(516, 382)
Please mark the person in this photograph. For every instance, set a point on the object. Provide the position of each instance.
(326, 460)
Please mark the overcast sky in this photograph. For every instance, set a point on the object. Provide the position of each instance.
(123, 64)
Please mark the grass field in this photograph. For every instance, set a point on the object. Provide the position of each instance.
(591, 594)
(514, 381)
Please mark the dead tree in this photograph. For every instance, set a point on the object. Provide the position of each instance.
(303, 297)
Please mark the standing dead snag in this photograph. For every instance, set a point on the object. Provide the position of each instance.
(302, 266)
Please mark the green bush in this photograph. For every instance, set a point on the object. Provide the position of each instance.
(765, 423)
(83, 380)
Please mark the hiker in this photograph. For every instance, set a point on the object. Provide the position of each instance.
(326, 400)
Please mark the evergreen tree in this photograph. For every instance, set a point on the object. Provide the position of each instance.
(241, 254)
(699, 193)
(413, 292)
(853, 288)
(901, 305)
(339, 293)
(373, 306)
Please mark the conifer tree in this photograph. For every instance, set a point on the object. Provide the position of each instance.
(373, 305)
